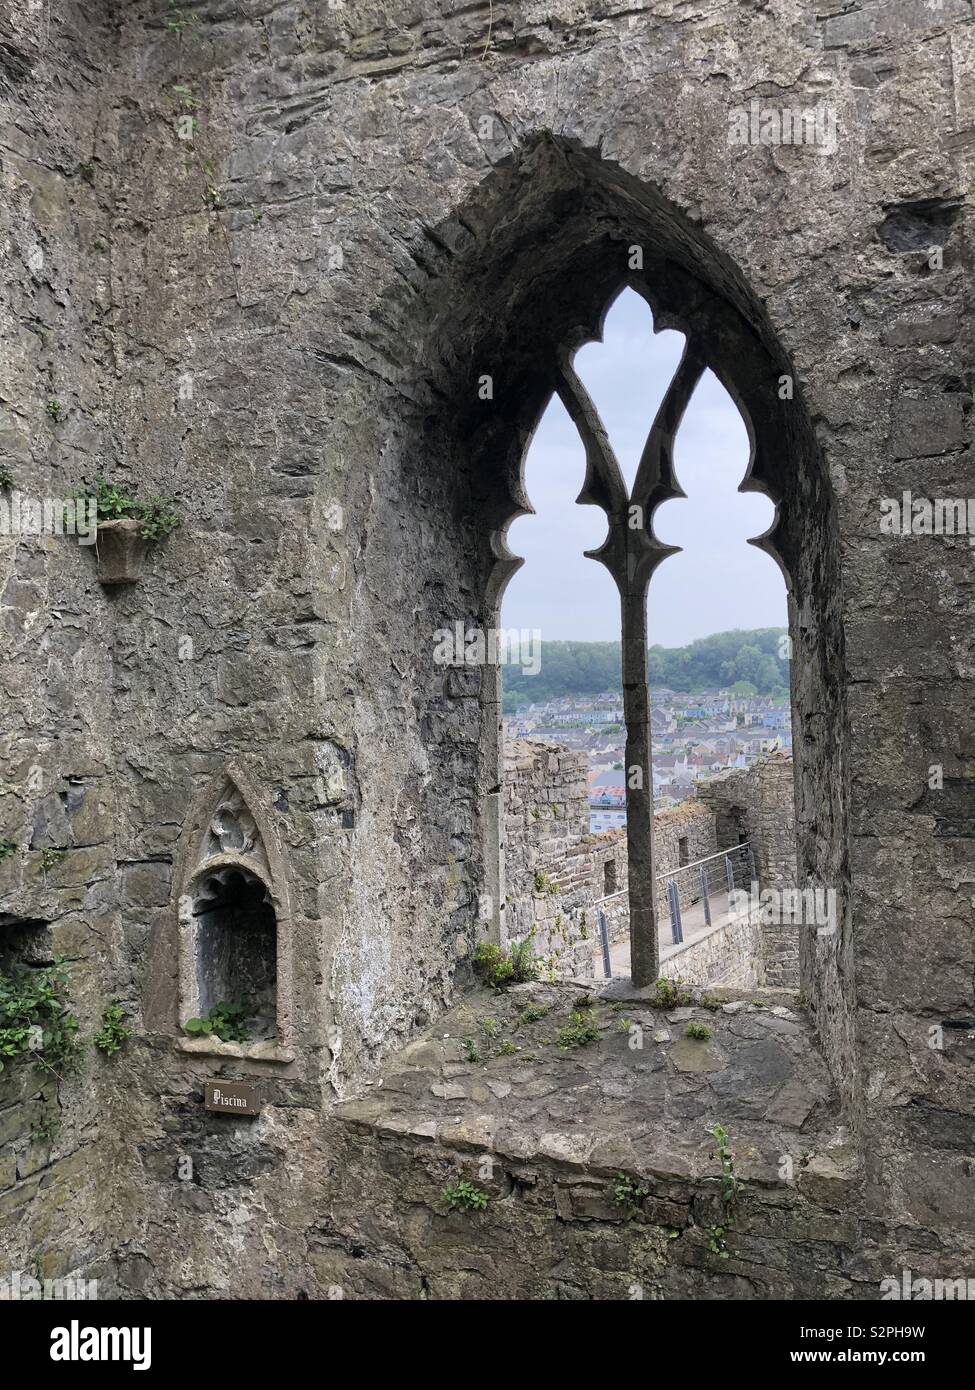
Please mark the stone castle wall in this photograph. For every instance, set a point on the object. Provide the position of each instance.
(381, 205)
(757, 804)
(73, 864)
(729, 954)
(556, 871)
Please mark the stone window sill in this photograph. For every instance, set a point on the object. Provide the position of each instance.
(265, 1051)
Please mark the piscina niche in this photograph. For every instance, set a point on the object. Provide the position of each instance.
(234, 929)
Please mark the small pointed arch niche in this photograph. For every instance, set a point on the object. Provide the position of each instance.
(234, 925)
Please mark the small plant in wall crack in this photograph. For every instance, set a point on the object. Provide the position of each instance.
(465, 1196)
(670, 995)
(112, 1035)
(51, 856)
(46, 1129)
(228, 1022)
(626, 1193)
(36, 1021)
(7, 848)
(6, 476)
(179, 23)
(211, 194)
(55, 410)
(728, 1189)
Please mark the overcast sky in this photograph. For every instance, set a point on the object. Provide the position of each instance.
(718, 582)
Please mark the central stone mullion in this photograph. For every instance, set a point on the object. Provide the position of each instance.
(629, 565)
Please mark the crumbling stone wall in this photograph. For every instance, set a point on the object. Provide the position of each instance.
(555, 869)
(692, 822)
(757, 804)
(546, 1133)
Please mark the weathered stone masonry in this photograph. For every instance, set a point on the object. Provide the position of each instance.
(383, 203)
(556, 870)
(757, 805)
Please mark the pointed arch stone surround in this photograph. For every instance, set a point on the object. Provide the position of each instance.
(229, 830)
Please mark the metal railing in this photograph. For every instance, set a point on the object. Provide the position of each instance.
(621, 900)
(704, 881)
(709, 881)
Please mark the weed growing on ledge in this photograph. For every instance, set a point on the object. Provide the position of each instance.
(228, 1022)
(157, 516)
(670, 995)
(471, 1051)
(700, 1031)
(115, 502)
(55, 410)
(51, 856)
(113, 1033)
(505, 1049)
(6, 476)
(7, 848)
(534, 1012)
(580, 1030)
(465, 1195)
(499, 968)
(36, 1021)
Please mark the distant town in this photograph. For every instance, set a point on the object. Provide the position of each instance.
(695, 736)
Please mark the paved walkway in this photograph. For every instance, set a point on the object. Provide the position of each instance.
(694, 926)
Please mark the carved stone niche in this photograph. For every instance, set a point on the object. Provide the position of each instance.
(234, 923)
